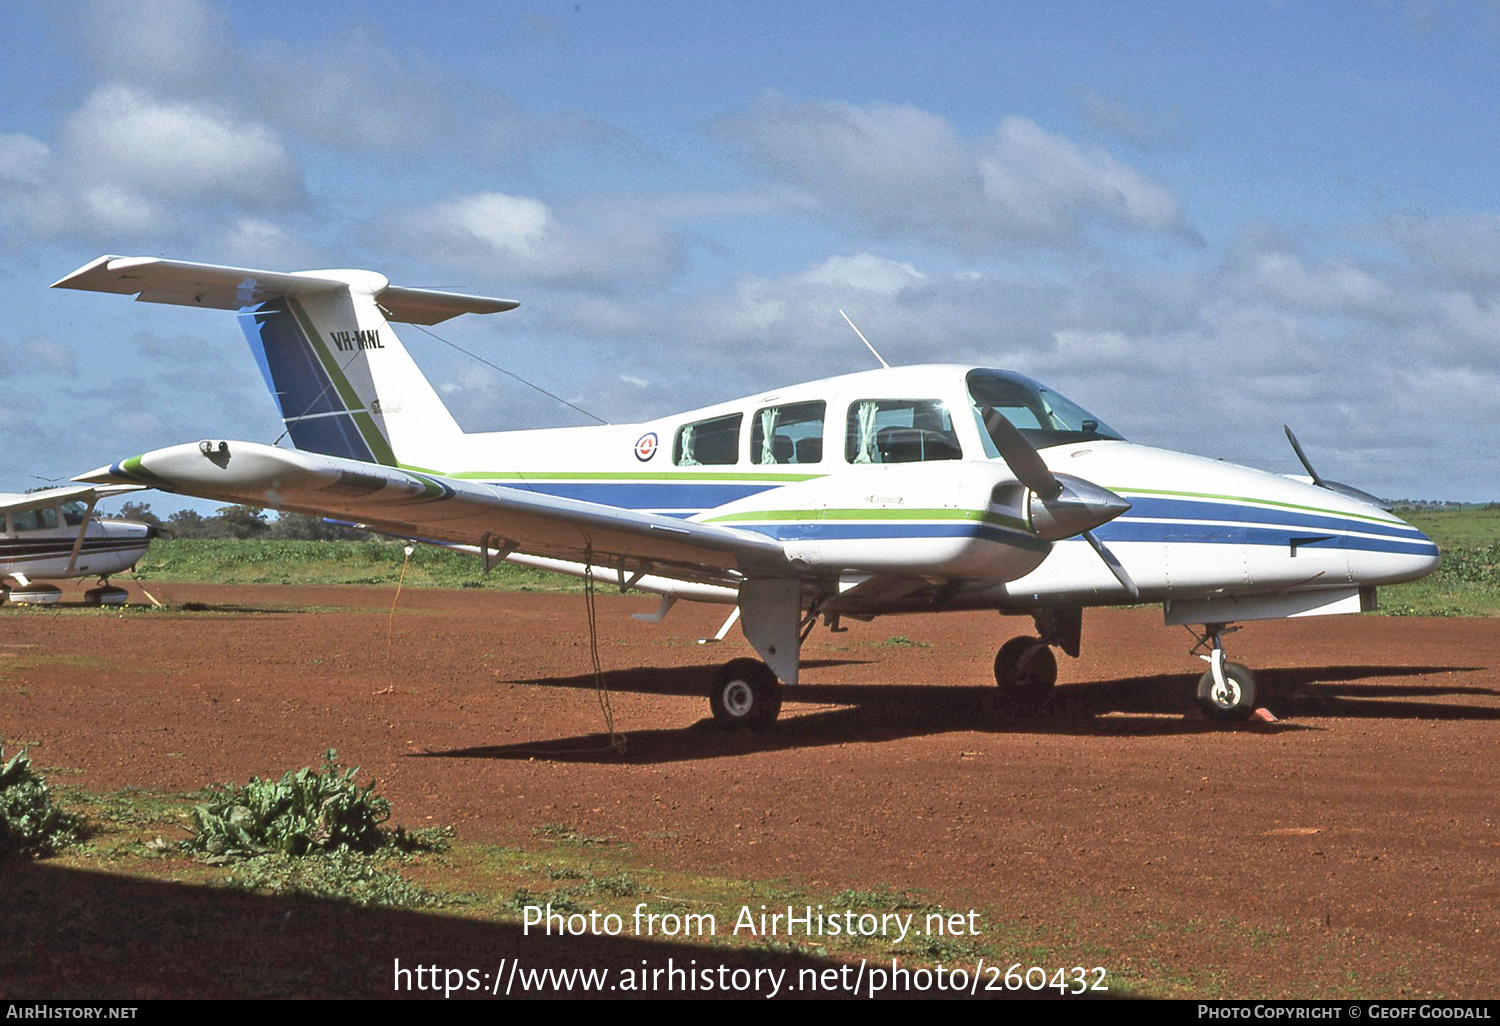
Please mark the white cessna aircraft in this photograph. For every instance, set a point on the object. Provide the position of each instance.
(52, 534)
(907, 489)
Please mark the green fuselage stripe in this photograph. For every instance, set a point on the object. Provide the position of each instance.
(666, 477)
(1120, 490)
(781, 515)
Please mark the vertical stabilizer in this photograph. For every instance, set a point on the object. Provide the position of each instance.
(343, 381)
(345, 384)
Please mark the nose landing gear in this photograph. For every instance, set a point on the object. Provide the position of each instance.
(1227, 691)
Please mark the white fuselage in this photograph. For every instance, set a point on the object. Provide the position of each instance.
(1199, 530)
(40, 544)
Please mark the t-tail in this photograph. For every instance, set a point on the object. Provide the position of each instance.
(345, 384)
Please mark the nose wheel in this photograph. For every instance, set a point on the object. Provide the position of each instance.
(745, 695)
(1227, 691)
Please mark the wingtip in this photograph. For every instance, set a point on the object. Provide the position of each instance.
(105, 475)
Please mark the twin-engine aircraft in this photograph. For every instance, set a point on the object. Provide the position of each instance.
(52, 534)
(907, 489)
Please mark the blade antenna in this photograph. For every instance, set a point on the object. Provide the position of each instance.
(865, 340)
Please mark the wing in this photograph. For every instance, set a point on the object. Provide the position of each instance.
(49, 497)
(500, 520)
(184, 283)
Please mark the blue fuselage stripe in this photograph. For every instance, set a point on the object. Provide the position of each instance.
(1147, 506)
(1151, 519)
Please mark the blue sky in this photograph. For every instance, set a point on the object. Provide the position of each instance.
(1201, 220)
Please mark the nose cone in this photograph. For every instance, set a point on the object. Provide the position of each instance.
(1401, 553)
(128, 529)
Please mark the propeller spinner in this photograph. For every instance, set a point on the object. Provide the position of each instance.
(1062, 506)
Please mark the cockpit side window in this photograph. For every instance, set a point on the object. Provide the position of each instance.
(900, 431)
(788, 434)
(34, 519)
(713, 442)
(74, 512)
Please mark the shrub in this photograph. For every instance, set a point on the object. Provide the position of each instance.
(29, 823)
(302, 813)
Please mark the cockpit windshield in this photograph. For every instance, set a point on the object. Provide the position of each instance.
(1042, 415)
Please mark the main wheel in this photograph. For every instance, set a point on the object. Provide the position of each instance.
(1235, 700)
(1026, 670)
(745, 694)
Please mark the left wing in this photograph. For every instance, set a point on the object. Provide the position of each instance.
(500, 520)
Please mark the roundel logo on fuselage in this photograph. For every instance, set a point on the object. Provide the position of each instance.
(645, 446)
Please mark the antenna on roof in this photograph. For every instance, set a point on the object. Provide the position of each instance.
(865, 341)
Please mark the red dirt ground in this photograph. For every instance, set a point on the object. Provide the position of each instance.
(1355, 840)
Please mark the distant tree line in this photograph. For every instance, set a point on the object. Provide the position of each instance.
(242, 522)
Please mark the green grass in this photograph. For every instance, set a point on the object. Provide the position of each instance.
(256, 561)
(1467, 581)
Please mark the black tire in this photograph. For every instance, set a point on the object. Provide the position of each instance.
(745, 695)
(1236, 702)
(1025, 687)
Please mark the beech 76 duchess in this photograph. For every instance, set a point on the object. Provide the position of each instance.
(907, 489)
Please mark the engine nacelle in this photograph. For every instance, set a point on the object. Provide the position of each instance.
(937, 521)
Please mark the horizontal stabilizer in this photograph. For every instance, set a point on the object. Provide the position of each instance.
(182, 283)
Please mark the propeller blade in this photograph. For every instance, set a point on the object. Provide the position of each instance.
(1113, 564)
(1357, 494)
(1297, 448)
(1021, 456)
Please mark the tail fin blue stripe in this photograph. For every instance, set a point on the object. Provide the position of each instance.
(300, 385)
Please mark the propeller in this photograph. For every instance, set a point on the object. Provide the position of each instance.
(1062, 505)
(1332, 486)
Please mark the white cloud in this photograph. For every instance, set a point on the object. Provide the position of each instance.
(905, 172)
(864, 272)
(129, 166)
(507, 238)
(180, 151)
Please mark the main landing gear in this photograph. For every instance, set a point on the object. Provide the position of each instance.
(1026, 669)
(106, 594)
(745, 695)
(1227, 691)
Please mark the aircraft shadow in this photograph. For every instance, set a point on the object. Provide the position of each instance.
(816, 715)
(91, 935)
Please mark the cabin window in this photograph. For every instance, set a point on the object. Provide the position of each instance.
(900, 431)
(788, 434)
(74, 513)
(709, 442)
(34, 519)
